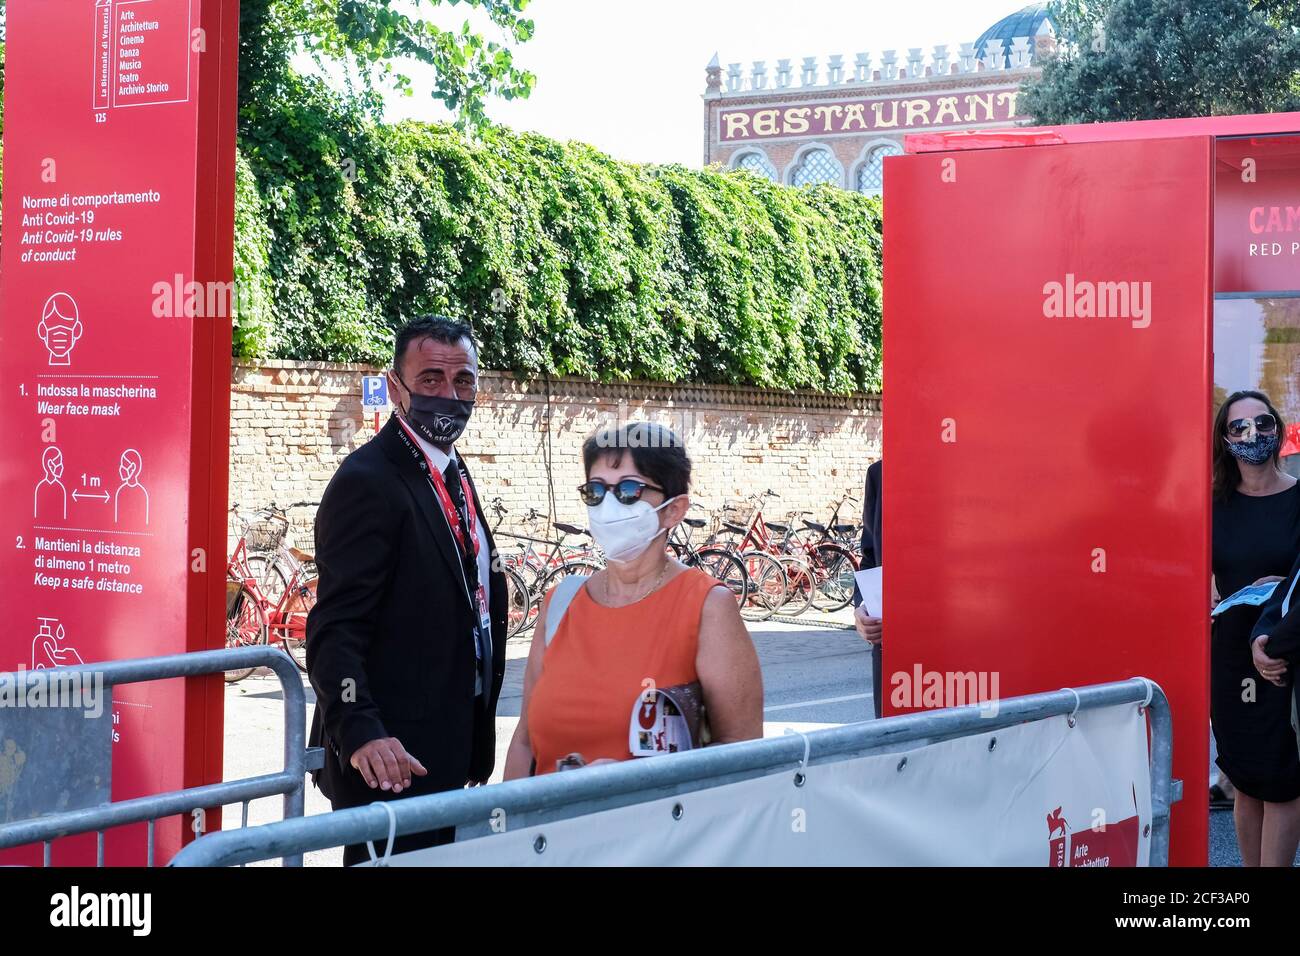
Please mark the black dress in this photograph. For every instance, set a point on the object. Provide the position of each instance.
(1254, 537)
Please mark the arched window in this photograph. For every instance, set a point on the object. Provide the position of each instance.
(756, 163)
(817, 165)
(871, 174)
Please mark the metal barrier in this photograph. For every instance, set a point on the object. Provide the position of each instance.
(540, 800)
(289, 782)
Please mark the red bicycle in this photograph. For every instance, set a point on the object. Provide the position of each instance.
(270, 587)
(780, 582)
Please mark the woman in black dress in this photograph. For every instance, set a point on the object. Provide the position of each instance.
(1256, 539)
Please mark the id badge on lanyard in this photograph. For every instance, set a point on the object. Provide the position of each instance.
(484, 622)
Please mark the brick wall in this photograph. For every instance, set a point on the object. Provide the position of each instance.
(292, 423)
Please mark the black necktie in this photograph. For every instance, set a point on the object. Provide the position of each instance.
(451, 477)
(468, 559)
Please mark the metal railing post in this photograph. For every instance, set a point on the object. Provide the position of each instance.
(290, 782)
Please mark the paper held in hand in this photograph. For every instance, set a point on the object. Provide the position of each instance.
(1252, 594)
(870, 586)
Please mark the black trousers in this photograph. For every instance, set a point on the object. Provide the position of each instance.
(356, 794)
(355, 853)
(877, 679)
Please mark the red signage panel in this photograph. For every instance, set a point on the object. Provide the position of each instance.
(118, 195)
(1047, 327)
(1257, 214)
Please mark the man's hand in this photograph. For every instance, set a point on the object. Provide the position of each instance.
(385, 764)
(1271, 669)
(870, 628)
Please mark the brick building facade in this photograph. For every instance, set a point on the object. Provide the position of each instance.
(840, 119)
(293, 423)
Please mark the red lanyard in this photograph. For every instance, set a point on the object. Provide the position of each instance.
(444, 498)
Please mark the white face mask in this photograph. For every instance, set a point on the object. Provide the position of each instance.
(622, 531)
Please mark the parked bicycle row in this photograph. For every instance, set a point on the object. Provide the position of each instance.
(771, 567)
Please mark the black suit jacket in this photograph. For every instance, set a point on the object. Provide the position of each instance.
(390, 651)
(1283, 630)
(871, 553)
(871, 545)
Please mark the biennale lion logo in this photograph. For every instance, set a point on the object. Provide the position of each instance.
(1055, 822)
(1103, 844)
(11, 768)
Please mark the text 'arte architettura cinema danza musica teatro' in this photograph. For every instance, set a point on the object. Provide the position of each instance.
(834, 121)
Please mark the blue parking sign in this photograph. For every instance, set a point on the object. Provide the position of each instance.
(374, 391)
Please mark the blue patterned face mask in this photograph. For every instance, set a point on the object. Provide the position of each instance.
(1255, 452)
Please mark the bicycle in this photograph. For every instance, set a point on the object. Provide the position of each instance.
(833, 530)
(770, 578)
(714, 561)
(270, 587)
(535, 571)
(831, 564)
(519, 597)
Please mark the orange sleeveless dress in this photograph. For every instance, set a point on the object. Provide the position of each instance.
(598, 661)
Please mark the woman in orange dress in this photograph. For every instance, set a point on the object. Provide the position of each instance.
(644, 621)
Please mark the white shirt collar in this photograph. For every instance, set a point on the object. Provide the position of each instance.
(437, 457)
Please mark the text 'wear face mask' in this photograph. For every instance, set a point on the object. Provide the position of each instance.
(622, 531)
(1255, 452)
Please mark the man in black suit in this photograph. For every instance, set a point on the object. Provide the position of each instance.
(871, 628)
(406, 643)
(1275, 642)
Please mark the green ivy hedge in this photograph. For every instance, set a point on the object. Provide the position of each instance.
(564, 260)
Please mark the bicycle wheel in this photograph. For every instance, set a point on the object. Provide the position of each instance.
(579, 566)
(519, 605)
(833, 567)
(768, 586)
(802, 587)
(245, 624)
(726, 567)
(291, 631)
(271, 578)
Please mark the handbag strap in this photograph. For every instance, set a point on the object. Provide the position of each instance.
(563, 594)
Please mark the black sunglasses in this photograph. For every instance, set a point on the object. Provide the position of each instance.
(625, 492)
(1265, 424)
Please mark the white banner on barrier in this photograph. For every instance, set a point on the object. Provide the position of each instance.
(1045, 794)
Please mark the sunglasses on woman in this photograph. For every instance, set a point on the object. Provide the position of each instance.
(625, 492)
(1264, 424)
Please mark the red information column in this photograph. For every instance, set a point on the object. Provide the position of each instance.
(114, 374)
(1047, 328)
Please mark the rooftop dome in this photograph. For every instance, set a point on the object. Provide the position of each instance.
(1023, 23)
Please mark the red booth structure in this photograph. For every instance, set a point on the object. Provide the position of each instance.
(1053, 298)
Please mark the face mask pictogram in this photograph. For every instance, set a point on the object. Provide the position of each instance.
(60, 328)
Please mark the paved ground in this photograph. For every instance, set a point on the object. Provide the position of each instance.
(813, 677)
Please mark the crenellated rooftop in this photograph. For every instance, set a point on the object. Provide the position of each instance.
(835, 72)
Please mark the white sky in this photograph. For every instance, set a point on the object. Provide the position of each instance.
(627, 76)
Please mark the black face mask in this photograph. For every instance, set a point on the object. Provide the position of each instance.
(1256, 452)
(440, 420)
